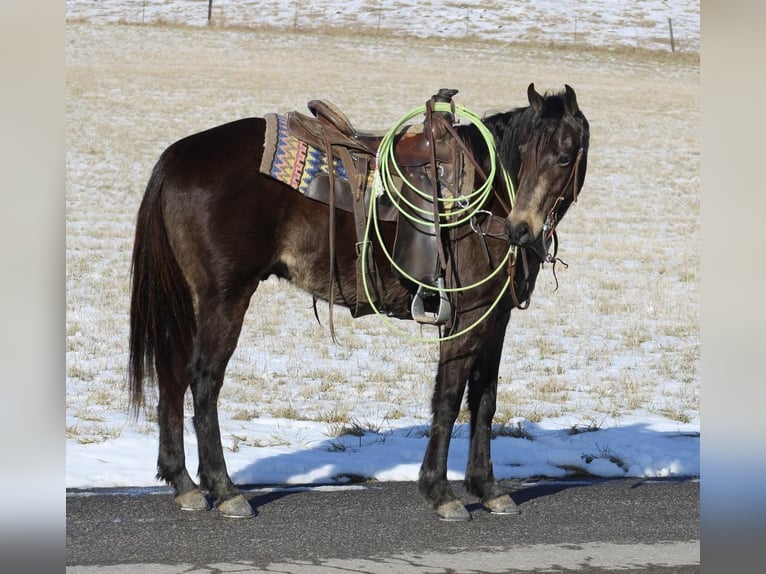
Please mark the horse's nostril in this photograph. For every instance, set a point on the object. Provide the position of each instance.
(518, 233)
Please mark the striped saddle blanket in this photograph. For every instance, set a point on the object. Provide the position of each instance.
(295, 162)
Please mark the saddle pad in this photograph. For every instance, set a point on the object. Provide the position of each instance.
(292, 161)
(296, 163)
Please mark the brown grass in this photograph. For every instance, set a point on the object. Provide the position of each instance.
(623, 325)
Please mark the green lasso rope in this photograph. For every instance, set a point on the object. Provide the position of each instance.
(467, 207)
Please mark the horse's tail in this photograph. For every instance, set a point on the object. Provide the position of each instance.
(162, 322)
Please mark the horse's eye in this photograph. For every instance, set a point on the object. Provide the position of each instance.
(564, 160)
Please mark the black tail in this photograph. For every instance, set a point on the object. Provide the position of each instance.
(162, 322)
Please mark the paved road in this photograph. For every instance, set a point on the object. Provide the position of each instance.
(647, 526)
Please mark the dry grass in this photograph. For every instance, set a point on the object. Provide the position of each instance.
(620, 334)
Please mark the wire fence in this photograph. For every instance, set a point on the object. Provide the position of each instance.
(672, 25)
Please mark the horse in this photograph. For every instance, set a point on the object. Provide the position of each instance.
(211, 226)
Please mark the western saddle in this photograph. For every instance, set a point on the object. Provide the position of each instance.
(428, 158)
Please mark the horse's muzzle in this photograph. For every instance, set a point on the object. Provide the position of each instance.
(520, 234)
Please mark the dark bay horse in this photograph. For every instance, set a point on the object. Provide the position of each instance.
(211, 227)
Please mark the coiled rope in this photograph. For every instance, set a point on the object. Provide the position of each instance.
(456, 211)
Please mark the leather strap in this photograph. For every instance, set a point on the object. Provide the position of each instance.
(331, 173)
(357, 174)
(431, 135)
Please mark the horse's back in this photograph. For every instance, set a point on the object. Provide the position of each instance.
(220, 212)
(207, 155)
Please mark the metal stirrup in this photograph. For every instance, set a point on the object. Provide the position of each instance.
(417, 309)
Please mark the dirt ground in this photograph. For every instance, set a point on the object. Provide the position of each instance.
(625, 320)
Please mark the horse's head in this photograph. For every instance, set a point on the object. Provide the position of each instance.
(552, 171)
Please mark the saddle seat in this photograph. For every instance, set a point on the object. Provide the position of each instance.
(330, 126)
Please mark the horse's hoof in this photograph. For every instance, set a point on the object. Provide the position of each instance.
(453, 511)
(192, 500)
(503, 504)
(236, 507)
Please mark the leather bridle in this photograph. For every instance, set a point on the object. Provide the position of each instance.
(549, 234)
(549, 228)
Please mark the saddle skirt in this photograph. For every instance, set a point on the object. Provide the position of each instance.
(293, 161)
(305, 167)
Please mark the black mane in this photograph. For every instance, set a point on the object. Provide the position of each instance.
(514, 127)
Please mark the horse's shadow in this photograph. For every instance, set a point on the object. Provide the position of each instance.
(327, 461)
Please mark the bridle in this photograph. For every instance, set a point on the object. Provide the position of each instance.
(552, 219)
(549, 234)
(495, 227)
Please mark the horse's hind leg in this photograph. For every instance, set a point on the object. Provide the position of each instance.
(171, 465)
(220, 319)
(482, 399)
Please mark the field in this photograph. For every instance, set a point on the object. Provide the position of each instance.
(649, 24)
(618, 340)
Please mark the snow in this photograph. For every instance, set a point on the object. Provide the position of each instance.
(302, 453)
(290, 450)
(642, 24)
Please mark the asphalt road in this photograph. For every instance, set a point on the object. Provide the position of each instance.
(647, 526)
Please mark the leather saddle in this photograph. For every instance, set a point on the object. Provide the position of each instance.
(417, 248)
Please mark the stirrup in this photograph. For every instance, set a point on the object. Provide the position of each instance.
(417, 309)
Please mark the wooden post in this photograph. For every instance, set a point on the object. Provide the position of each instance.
(467, 21)
(672, 40)
(209, 11)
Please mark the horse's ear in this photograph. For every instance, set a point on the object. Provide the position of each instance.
(535, 99)
(570, 100)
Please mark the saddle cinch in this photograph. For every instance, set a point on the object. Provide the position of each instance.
(436, 169)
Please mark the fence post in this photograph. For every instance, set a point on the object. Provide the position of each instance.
(672, 40)
(209, 11)
(467, 22)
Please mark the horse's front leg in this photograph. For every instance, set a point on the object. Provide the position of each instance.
(482, 400)
(454, 365)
